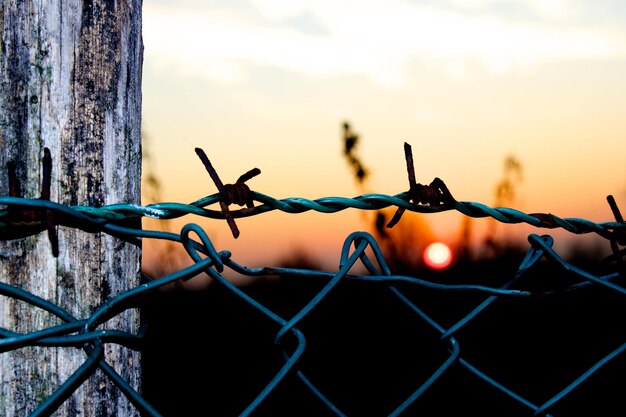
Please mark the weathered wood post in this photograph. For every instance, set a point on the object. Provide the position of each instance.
(70, 80)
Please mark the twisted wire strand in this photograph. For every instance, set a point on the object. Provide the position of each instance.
(115, 213)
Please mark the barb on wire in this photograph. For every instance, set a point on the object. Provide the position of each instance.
(620, 239)
(238, 193)
(436, 195)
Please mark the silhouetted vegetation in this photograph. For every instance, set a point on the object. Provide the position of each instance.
(506, 191)
(351, 141)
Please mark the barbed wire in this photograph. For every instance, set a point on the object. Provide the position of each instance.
(24, 217)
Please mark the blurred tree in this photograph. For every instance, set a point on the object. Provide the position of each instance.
(505, 194)
(351, 140)
(150, 181)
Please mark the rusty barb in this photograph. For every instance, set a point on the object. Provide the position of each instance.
(618, 240)
(436, 195)
(238, 193)
(29, 221)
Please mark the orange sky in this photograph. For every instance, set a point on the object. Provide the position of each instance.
(268, 84)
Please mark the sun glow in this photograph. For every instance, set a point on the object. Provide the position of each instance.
(437, 256)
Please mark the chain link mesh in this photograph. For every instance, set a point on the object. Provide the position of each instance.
(361, 248)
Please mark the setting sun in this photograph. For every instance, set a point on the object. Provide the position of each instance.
(437, 256)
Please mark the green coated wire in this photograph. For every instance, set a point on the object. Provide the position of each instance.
(113, 219)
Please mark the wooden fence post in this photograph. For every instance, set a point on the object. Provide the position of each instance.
(70, 80)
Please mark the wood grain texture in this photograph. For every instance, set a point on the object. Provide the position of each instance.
(70, 80)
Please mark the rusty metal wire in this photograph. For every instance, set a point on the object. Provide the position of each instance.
(119, 220)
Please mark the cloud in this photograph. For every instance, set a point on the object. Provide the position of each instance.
(549, 9)
(372, 39)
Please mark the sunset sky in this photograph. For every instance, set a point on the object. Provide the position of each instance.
(268, 84)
